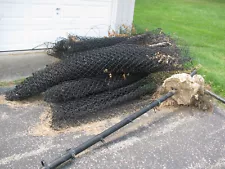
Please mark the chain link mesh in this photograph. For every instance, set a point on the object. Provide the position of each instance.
(65, 47)
(69, 111)
(98, 73)
(123, 58)
(77, 89)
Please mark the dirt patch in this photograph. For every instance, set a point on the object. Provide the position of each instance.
(44, 127)
(96, 125)
(25, 103)
(91, 123)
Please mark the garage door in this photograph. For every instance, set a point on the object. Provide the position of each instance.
(26, 24)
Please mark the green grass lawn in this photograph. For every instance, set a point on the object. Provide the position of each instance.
(201, 23)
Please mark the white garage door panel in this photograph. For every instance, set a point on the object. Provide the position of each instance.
(47, 2)
(81, 23)
(83, 11)
(12, 24)
(16, 37)
(12, 1)
(42, 11)
(42, 24)
(87, 32)
(12, 10)
(39, 37)
(25, 24)
(85, 2)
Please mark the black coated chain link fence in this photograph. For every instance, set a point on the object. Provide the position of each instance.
(98, 73)
(75, 109)
(124, 58)
(77, 89)
(69, 46)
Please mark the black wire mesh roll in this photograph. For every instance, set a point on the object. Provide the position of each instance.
(124, 58)
(75, 89)
(68, 46)
(149, 38)
(76, 108)
(74, 44)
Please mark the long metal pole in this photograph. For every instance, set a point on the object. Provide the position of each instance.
(74, 151)
(209, 92)
(193, 73)
(215, 96)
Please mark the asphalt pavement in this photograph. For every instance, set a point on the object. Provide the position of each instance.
(170, 138)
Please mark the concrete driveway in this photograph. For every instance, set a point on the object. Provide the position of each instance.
(17, 65)
(168, 139)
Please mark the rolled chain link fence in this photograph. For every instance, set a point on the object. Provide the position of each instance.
(97, 73)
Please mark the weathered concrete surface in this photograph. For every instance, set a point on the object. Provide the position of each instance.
(168, 139)
(18, 65)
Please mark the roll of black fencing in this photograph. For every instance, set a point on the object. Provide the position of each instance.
(78, 108)
(117, 59)
(65, 47)
(77, 89)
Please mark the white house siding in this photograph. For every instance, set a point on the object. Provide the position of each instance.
(25, 24)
